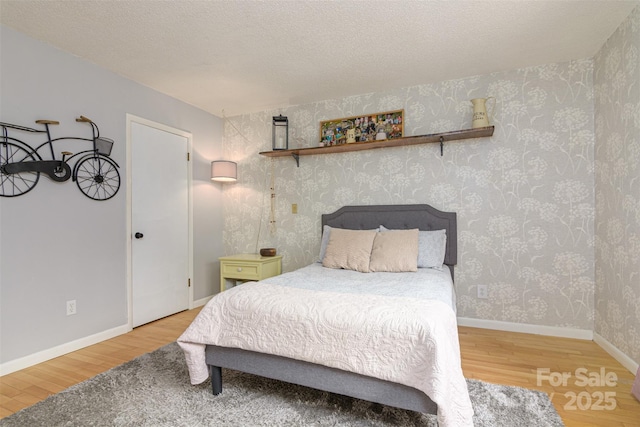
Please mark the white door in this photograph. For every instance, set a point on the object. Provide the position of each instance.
(159, 222)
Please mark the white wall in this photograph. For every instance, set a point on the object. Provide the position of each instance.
(56, 244)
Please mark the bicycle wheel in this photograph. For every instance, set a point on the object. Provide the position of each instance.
(16, 184)
(97, 177)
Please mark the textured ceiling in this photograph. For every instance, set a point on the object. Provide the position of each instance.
(240, 56)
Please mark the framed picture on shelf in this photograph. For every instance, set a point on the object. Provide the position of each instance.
(363, 128)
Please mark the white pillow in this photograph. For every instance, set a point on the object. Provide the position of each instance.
(326, 231)
(432, 246)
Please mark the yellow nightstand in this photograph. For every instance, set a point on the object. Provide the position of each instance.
(247, 267)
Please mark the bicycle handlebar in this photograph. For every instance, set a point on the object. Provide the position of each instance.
(83, 119)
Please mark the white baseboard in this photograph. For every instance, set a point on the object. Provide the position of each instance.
(201, 301)
(624, 360)
(48, 354)
(553, 331)
(44, 355)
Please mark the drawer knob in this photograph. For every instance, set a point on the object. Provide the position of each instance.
(239, 269)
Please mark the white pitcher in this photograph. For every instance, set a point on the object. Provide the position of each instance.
(480, 115)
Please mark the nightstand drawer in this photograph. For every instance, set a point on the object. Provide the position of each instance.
(245, 267)
(241, 271)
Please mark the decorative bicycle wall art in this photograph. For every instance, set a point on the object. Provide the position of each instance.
(95, 173)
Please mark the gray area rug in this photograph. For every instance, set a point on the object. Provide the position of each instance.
(154, 390)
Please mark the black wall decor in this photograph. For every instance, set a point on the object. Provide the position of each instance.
(94, 172)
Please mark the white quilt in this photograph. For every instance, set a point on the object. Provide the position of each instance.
(400, 339)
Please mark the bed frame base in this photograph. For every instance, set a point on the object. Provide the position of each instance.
(315, 376)
(216, 379)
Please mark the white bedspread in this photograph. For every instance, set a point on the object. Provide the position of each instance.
(402, 339)
(426, 283)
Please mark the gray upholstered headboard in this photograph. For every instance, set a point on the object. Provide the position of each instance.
(422, 217)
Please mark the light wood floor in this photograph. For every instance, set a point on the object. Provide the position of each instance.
(492, 356)
(514, 359)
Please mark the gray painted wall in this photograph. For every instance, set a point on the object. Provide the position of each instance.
(524, 197)
(533, 217)
(617, 165)
(56, 244)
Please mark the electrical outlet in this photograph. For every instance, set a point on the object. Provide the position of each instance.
(71, 307)
(483, 291)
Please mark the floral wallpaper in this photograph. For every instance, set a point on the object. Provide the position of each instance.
(617, 166)
(524, 197)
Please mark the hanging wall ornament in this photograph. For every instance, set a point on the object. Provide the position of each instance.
(93, 171)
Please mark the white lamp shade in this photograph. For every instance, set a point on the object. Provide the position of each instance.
(224, 171)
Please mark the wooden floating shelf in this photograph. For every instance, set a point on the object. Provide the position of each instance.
(398, 142)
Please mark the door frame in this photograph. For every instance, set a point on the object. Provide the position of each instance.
(135, 119)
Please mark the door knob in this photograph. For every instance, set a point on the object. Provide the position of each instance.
(138, 235)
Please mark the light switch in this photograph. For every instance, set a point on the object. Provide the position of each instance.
(294, 208)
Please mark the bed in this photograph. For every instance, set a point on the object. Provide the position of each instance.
(325, 370)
